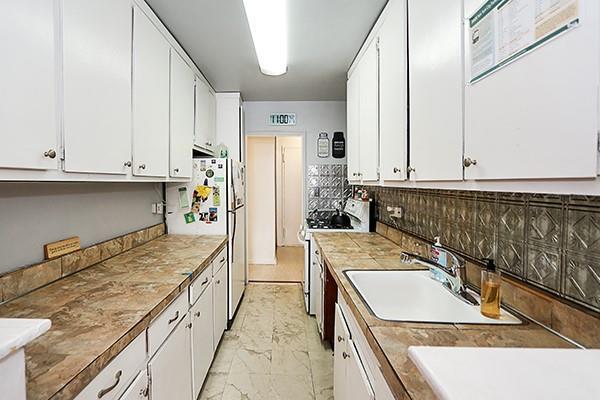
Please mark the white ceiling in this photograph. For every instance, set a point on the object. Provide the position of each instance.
(324, 37)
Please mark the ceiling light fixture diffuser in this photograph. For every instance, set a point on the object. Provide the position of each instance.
(268, 25)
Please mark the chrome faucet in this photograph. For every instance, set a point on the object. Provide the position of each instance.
(454, 275)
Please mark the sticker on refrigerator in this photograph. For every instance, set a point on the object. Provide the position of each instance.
(213, 216)
(210, 173)
(216, 196)
(202, 192)
(202, 165)
(189, 218)
(183, 198)
(220, 179)
(203, 217)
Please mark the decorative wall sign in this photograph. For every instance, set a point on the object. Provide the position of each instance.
(323, 145)
(62, 247)
(285, 119)
(338, 145)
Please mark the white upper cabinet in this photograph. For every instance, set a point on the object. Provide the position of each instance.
(369, 113)
(28, 123)
(537, 117)
(353, 135)
(435, 89)
(150, 99)
(97, 85)
(182, 118)
(393, 111)
(206, 114)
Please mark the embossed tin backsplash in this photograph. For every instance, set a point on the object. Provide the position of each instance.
(327, 188)
(549, 241)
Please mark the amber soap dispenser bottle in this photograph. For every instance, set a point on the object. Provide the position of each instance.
(490, 290)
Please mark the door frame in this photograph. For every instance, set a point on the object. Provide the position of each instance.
(275, 134)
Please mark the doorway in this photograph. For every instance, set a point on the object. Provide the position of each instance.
(275, 188)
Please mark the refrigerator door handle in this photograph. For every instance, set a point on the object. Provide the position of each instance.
(233, 236)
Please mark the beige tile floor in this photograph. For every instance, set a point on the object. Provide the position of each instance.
(289, 267)
(273, 351)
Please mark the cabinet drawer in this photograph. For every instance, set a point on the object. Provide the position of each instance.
(200, 284)
(163, 325)
(118, 373)
(219, 261)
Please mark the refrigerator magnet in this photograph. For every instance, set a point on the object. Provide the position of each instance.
(202, 165)
(189, 217)
(216, 196)
(210, 173)
(183, 198)
(213, 216)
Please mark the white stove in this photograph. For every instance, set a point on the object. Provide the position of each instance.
(360, 221)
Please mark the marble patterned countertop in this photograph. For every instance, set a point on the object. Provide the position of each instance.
(98, 311)
(390, 340)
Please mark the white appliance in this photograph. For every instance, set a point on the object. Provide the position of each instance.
(212, 203)
(360, 221)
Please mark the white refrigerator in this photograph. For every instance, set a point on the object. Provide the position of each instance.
(212, 203)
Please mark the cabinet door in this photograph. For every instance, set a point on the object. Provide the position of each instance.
(436, 89)
(182, 118)
(342, 336)
(28, 123)
(369, 114)
(353, 118)
(205, 115)
(220, 305)
(393, 81)
(138, 390)
(170, 369)
(537, 117)
(202, 338)
(97, 85)
(150, 98)
(357, 383)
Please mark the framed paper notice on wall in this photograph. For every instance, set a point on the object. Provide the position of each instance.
(285, 119)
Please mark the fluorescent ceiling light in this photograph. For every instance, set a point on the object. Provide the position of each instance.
(268, 24)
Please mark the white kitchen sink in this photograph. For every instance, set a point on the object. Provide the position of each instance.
(412, 296)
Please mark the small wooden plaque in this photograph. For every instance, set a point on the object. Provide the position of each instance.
(62, 247)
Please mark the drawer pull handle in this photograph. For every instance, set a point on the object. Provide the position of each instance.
(175, 318)
(204, 282)
(104, 392)
(222, 260)
(345, 355)
(197, 314)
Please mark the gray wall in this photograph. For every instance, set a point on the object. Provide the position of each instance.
(32, 214)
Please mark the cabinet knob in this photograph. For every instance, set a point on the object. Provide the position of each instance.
(197, 314)
(142, 166)
(411, 169)
(50, 154)
(340, 338)
(396, 170)
(467, 162)
(176, 170)
(219, 282)
(127, 163)
(189, 326)
(345, 355)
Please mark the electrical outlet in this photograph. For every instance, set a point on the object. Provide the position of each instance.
(396, 212)
(158, 208)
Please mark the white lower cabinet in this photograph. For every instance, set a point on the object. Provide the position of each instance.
(170, 368)
(201, 315)
(349, 377)
(138, 390)
(357, 373)
(220, 305)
